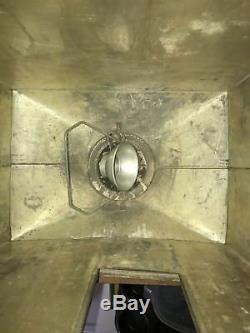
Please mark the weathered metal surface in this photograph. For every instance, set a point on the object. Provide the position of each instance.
(239, 175)
(5, 125)
(118, 276)
(45, 281)
(183, 129)
(120, 43)
(195, 198)
(40, 210)
(128, 48)
(238, 235)
(78, 140)
(188, 136)
(4, 204)
(39, 199)
(239, 125)
(177, 201)
(5, 138)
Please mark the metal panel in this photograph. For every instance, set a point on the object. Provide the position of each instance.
(133, 44)
(239, 124)
(196, 198)
(5, 125)
(45, 281)
(183, 129)
(238, 235)
(38, 198)
(5, 138)
(181, 204)
(120, 276)
(186, 131)
(239, 175)
(4, 204)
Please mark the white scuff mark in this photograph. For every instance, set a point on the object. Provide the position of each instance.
(75, 237)
(141, 231)
(117, 35)
(226, 319)
(96, 185)
(240, 23)
(165, 30)
(189, 53)
(108, 232)
(106, 193)
(244, 310)
(88, 18)
(171, 42)
(144, 186)
(133, 102)
(242, 80)
(218, 289)
(208, 27)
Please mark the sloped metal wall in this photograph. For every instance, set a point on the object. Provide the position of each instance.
(187, 132)
(5, 143)
(239, 175)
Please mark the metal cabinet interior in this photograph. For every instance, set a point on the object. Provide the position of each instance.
(177, 75)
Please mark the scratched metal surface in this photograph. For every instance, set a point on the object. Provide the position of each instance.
(196, 44)
(239, 176)
(186, 131)
(5, 139)
(56, 280)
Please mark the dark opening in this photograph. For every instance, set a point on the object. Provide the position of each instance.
(138, 308)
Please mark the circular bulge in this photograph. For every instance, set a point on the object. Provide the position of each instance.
(145, 169)
(126, 166)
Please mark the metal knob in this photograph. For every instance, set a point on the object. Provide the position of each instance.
(120, 166)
